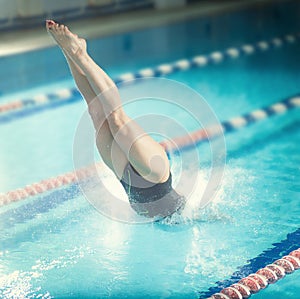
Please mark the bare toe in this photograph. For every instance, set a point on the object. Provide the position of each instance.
(49, 23)
(67, 40)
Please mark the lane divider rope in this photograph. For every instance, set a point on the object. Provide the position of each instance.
(259, 280)
(179, 143)
(266, 257)
(64, 95)
(233, 124)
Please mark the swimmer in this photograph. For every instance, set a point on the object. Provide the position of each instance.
(138, 161)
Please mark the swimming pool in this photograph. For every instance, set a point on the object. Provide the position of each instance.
(57, 245)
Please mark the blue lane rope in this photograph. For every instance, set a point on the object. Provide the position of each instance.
(183, 143)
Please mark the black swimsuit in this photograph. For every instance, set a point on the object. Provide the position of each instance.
(150, 199)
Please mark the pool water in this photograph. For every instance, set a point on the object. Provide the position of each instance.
(58, 246)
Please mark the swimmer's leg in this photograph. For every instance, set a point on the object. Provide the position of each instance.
(104, 138)
(145, 154)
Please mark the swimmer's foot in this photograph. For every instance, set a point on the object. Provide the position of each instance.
(69, 42)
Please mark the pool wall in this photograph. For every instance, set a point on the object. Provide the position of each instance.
(155, 45)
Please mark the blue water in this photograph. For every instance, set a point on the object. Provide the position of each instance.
(59, 246)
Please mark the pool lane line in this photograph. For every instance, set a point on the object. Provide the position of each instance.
(50, 184)
(190, 140)
(63, 96)
(179, 143)
(267, 268)
(32, 107)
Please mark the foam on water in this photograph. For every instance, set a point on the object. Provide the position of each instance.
(194, 209)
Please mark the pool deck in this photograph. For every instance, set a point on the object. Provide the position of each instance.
(19, 41)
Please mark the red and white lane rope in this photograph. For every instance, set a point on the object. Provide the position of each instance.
(198, 61)
(48, 184)
(177, 143)
(258, 281)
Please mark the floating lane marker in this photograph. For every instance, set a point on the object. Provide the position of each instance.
(216, 57)
(71, 95)
(177, 144)
(146, 73)
(290, 38)
(200, 61)
(248, 49)
(295, 101)
(258, 281)
(277, 42)
(63, 93)
(233, 52)
(164, 69)
(40, 98)
(263, 45)
(183, 64)
(237, 122)
(279, 108)
(258, 114)
(126, 77)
